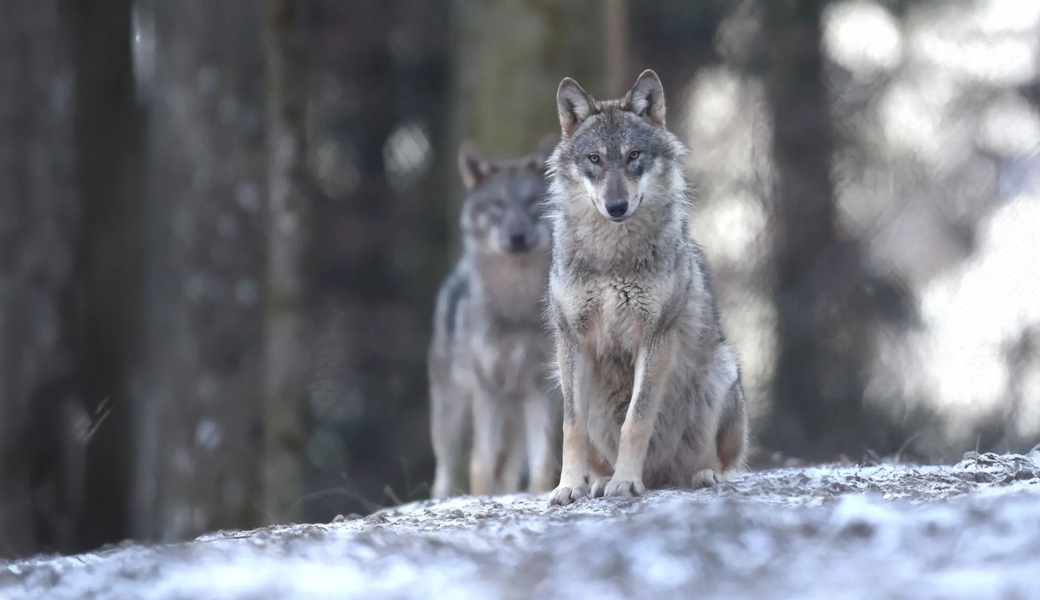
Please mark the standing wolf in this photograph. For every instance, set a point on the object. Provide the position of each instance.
(651, 390)
(490, 353)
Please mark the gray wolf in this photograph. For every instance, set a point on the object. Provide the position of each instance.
(491, 352)
(651, 389)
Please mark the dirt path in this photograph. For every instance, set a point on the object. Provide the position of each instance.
(967, 531)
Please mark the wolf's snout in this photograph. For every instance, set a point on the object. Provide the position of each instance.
(517, 241)
(616, 196)
(616, 208)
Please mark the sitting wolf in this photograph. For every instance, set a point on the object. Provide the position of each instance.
(491, 351)
(651, 390)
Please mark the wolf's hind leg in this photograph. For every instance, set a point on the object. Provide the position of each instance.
(600, 473)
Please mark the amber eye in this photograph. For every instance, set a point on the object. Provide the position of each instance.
(594, 158)
(634, 154)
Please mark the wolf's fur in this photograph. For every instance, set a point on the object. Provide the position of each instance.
(652, 392)
(490, 350)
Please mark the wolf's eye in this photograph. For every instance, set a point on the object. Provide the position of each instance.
(634, 154)
(594, 158)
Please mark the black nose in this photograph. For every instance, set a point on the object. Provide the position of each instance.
(517, 241)
(617, 208)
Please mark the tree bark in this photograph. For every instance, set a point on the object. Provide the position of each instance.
(818, 406)
(616, 38)
(510, 59)
(40, 214)
(199, 429)
(110, 142)
(380, 74)
(288, 243)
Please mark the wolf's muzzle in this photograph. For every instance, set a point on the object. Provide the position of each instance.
(518, 242)
(616, 208)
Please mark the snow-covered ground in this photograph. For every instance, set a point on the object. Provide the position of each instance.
(889, 531)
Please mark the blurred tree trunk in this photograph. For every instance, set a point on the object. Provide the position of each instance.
(109, 139)
(675, 39)
(288, 242)
(40, 213)
(616, 39)
(512, 51)
(818, 389)
(199, 428)
(378, 109)
(803, 137)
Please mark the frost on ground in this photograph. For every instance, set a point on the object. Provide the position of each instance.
(889, 531)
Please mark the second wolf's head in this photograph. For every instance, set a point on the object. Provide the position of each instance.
(503, 211)
(616, 155)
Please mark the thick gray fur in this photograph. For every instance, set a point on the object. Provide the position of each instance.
(629, 292)
(490, 357)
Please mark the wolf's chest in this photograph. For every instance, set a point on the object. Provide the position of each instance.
(510, 362)
(616, 313)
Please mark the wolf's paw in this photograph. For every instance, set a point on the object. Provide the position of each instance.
(599, 487)
(564, 495)
(626, 488)
(441, 489)
(706, 479)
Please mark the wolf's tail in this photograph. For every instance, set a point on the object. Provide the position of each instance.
(732, 439)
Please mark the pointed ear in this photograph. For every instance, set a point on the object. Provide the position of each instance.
(473, 165)
(573, 104)
(542, 152)
(646, 98)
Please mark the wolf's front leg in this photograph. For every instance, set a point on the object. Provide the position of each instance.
(538, 418)
(654, 363)
(488, 427)
(449, 410)
(574, 383)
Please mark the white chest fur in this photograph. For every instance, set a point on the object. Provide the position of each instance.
(611, 314)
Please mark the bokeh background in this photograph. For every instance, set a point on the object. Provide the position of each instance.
(223, 224)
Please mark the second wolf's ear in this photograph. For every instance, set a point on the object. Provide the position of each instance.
(473, 165)
(646, 98)
(573, 104)
(542, 152)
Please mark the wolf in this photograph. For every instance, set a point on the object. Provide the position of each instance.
(652, 395)
(491, 351)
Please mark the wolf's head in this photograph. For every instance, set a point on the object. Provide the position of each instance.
(617, 151)
(503, 211)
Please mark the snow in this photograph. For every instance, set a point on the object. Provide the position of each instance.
(971, 530)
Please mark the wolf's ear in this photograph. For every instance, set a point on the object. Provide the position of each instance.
(574, 105)
(473, 165)
(646, 98)
(542, 152)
